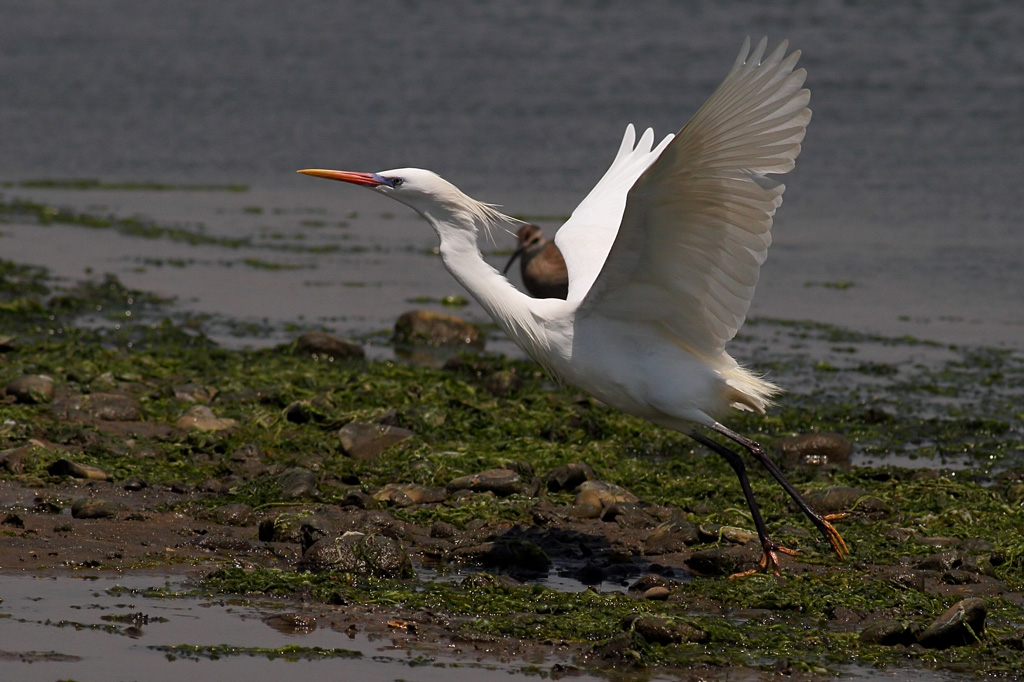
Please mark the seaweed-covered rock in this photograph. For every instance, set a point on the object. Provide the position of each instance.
(961, 624)
(569, 476)
(352, 552)
(65, 467)
(95, 508)
(366, 441)
(815, 451)
(667, 631)
(890, 633)
(202, 418)
(436, 329)
(326, 346)
(501, 482)
(671, 536)
(31, 389)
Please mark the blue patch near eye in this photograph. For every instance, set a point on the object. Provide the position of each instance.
(383, 180)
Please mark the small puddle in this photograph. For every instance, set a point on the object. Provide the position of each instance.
(121, 628)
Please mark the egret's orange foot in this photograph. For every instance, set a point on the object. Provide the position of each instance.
(833, 536)
(769, 561)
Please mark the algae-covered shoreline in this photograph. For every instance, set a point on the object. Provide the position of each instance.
(461, 531)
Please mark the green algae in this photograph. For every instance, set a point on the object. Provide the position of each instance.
(964, 403)
(291, 652)
(94, 184)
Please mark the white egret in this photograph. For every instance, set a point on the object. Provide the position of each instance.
(663, 256)
(541, 264)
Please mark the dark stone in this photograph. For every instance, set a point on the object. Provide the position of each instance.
(406, 494)
(32, 389)
(569, 476)
(114, 407)
(13, 460)
(291, 526)
(95, 508)
(724, 560)
(324, 345)
(501, 482)
(65, 467)
(836, 499)
(671, 536)
(356, 497)
(890, 633)
(628, 515)
(942, 561)
(961, 624)
(374, 555)
(292, 623)
(366, 441)
(246, 461)
(298, 483)
(652, 580)
(134, 484)
(815, 451)
(666, 631)
(435, 329)
(235, 515)
(515, 555)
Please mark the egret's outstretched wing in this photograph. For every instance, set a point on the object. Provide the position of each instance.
(697, 223)
(587, 236)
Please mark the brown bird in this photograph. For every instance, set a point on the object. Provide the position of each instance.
(542, 266)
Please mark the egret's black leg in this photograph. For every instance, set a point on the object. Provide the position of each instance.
(770, 559)
(820, 522)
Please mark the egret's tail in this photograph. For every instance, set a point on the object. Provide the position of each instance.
(748, 391)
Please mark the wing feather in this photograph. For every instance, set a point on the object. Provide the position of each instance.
(696, 225)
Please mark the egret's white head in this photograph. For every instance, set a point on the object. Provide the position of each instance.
(443, 204)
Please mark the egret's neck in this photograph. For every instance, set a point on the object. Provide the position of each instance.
(512, 310)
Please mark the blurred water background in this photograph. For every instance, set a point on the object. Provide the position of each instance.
(902, 217)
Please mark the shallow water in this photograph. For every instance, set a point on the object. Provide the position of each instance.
(73, 627)
(903, 216)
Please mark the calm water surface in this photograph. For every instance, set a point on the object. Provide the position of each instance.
(903, 216)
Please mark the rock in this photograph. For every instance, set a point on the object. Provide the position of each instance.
(13, 460)
(815, 451)
(628, 515)
(941, 561)
(405, 494)
(111, 407)
(961, 624)
(671, 536)
(890, 633)
(435, 329)
(593, 496)
(501, 482)
(292, 623)
(836, 499)
(568, 476)
(321, 345)
(202, 418)
(366, 441)
(374, 555)
(95, 508)
(647, 582)
(194, 393)
(724, 560)
(513, 555)
(656, 593)
(134, 484)
(291, 526)
(298, 483)
(356, 497)
(235, 515)
(65, 467)
(246, 461)
(31, 389)
(666, 631)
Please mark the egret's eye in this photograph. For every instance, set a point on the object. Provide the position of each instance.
(397, 182)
